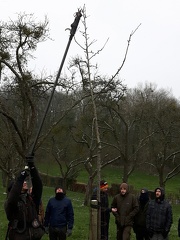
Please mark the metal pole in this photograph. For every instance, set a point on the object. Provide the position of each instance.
(74, 26)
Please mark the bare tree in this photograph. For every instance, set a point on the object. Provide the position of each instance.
(20, 88)
(164, 150)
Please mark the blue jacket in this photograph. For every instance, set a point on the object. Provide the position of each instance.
(59, 213)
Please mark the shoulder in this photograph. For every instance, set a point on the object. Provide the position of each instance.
(52, 199)
(152, 201)
(132, 196)
(167, 204)
(117, 196)
(66, 199)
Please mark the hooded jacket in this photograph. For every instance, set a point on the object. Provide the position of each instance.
(159, 214)
(127, 207)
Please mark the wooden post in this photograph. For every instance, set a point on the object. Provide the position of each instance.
(93, 233)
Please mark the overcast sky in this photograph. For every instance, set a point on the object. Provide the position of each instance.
(154, 54)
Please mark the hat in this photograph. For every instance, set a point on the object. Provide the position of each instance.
(124, 185)
(103, 184)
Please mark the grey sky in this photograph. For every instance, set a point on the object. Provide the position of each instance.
(154, 54)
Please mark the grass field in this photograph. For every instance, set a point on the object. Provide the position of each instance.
(112, 175)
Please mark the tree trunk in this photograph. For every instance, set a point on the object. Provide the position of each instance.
(88, 192)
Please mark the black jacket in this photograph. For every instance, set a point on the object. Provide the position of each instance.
(104, 201)
(159, 215)
(140, 218)
(22, 209)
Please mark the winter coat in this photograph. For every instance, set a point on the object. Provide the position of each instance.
(59, 213)
(105, 209)
(159, 215)
(140, 218)
(127, 207)
(22, 208)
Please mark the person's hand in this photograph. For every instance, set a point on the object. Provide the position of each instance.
(69, 232)
(30, 161)
(114, 210)
(25, 172)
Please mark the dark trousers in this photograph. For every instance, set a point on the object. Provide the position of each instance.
(105, 226)
(57, 233)
(141, 234)
(104, 232)
(123, 233)
(28, 234)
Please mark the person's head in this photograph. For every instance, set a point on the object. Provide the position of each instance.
(59, 192)
(25, 187)
(144, 196)
(103, 186)
(124, 189)
(58, 189)
(159, 194)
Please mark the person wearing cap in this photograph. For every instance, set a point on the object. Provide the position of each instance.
(139, 225)
(159, 216)
(124, 207)
(22, 207)
(59, 216)
(105, 209)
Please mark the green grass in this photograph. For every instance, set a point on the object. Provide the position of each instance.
(113, 174)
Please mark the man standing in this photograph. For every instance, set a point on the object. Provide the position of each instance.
(59, 216)
(22, 208)
(105, 210)
(124, 208)
(159, 216)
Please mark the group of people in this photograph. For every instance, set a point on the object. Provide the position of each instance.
(151, 219)
(25, 213)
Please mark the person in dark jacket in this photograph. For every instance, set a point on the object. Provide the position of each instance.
(179, 228)
(59, 216)
(139, 226)
(105, 209)
(124, 207)
(159, 216)
(22, 208)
